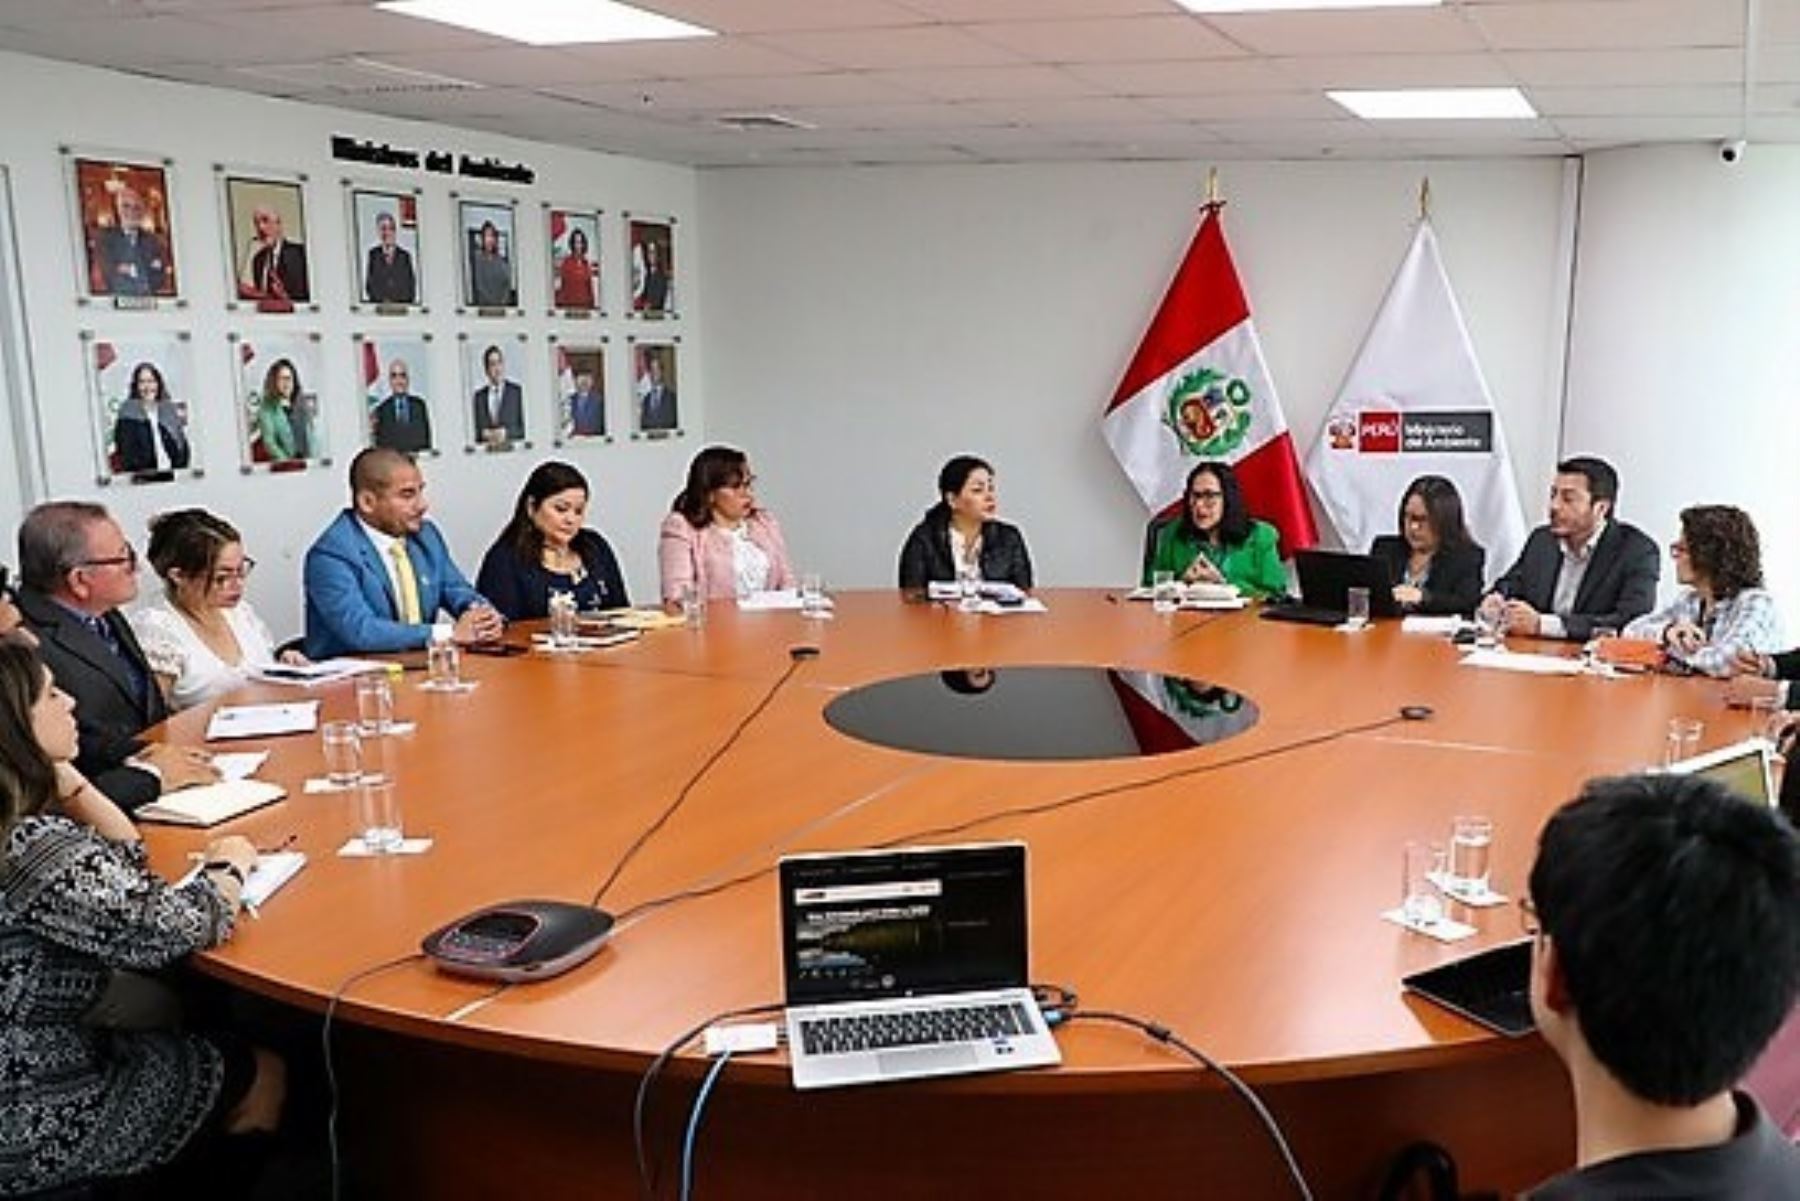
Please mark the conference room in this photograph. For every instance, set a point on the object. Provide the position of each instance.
(1089, 245)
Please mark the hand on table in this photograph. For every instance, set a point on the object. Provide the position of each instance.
(180, 766)
(1521, 618)
(1408, 596)
(479, 623)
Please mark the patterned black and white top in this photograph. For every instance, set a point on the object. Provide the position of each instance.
(76, 1102)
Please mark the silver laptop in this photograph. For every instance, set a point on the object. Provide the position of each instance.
(1746, 768)
(908, 963)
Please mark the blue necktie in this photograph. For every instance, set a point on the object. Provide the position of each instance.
(400, 409)
(102, 629)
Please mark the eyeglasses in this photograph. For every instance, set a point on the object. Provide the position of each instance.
(744, 485)
(128, 560)
(1528, 917)
(238, 574)
(1678, 547)
(1197, 497)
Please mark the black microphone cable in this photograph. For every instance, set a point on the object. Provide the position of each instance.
(331, 1081)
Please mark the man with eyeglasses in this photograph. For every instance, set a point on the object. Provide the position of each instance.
(402, 422)
(76, 570)
(1666, 955)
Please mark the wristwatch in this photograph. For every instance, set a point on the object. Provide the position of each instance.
(226, 866)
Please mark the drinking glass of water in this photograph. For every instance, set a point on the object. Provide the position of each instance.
(1356, 608)
(1490, 626)
(968, 588)
(1165, 593)
(374, 704)
(812, 595)
(1471, 842)
(693, 606)
(343, 753)
(1590, 650)
(1419, 899)
(1684, 739)
(378, 815)
(562, 620)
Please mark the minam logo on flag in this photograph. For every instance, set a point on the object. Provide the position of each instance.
(1378, 432)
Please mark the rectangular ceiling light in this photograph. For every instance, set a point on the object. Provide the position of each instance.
(1284, 6)
(1438, 104)
(550, 22)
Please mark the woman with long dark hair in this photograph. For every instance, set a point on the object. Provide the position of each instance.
(282, 418)
(717, 539)
(149, 421)
(547, 547)
(1216, 541)
(84, 1102)
(959, 536)
(1436, 566)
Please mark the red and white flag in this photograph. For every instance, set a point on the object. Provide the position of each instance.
(1198, 388)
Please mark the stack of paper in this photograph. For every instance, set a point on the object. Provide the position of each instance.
(1537, 665)
(263, 721)
(270, 873)
(313, 675)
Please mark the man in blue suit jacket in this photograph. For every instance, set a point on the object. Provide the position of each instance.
(379, 574)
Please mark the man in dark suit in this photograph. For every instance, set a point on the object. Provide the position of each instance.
(134, 261)
(1761, 677)
(499, 403)
(587, 412)
(656, 410)
(77, 570)
(388, 278)
(1583, 570)
(402, 422)
(378, 575)
(278, 267)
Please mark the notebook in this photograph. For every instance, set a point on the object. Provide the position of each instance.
(210, 804)
(908, 963)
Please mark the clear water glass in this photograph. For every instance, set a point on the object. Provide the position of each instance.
(1165, 593)
(375, 704)
(1590, 650)
(342, 743)
(1419, 899)
(443, 665)
(812, 595)
(1356, 608)
(1471, 851)
(562, 620)
(1490, 626)
(693, 606)
(968, 589)
(1684, 739)
(378, 815)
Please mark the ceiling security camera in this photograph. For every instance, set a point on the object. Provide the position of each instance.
(1731, 151)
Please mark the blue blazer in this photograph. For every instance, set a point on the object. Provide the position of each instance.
(350, 606)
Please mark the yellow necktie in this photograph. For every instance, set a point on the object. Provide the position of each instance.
(409, 585)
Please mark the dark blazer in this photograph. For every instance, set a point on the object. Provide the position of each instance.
(1620, 583)
(350, 606)
(926, 556)
(1453, 585)
(512, 411)
(290, 269)
(657, 411)
(521, 590)
(390, 284)
(412, 435)
(587, 415)
(132, 439)
(110, 713)
(1787, 667)
(132, 267)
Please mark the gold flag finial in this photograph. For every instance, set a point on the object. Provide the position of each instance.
(1425, 199)
(1212, 187)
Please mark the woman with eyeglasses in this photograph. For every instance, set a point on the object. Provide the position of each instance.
(1216, 541)
(1722, 607)
(203, 638)
(717, 540)
(1437, 567)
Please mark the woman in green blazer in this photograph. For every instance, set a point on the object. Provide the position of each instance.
(281, 417)
(1215, 540)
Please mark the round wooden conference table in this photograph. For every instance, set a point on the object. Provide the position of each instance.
(1238, 904)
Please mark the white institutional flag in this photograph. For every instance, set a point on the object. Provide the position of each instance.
(1415, 403)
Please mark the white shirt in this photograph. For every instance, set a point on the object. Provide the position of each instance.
(383, 543)
(966, 554)
(749, 562)
(174, 648)
(1569, 576)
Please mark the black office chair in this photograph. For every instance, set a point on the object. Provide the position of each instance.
(1152, 531)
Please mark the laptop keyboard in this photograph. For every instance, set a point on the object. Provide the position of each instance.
(913, 1028)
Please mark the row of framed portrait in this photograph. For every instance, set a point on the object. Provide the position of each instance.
(142, 395)
(127, 253)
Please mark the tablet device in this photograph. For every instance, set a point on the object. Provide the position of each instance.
(1491, 988)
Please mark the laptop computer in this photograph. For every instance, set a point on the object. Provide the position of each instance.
(908, 963)
(1746, 768)
(1326, 577)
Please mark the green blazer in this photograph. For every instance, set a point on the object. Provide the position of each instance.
(1254, 565)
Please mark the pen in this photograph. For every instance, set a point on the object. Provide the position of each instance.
(197, 859)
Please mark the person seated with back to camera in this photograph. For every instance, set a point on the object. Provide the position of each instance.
(86, 1099)
(716, 539)
(1665, 957)
(547, 548)
(1585, 569)
(1434, 562)
(203, 639)
(960, 538)
(377, 576)
(1722, 607)
(1216, 541)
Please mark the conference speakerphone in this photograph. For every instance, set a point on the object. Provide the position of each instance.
(519, 941)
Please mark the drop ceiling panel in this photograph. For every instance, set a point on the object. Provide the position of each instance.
(1396, 70)
(1637, 102)
(504, 67)
(990, 83)
(842, 87)
(1608, 68)
(699, 58)
(770, 16)
(1206, 76)
(1375, 31)
(1287, 106)
(1614, 23)
(1634, 130)
(1090, 111)
(1123, 39)
(920, 46)
(352, 30)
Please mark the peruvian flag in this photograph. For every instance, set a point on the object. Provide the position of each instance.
(1198, 388)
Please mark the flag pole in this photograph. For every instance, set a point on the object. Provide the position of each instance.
(1213, 202)
(1425, 198)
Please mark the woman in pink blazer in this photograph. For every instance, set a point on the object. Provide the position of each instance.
(716, 538)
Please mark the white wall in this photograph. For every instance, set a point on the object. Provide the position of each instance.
(49, 104)
(1685, 364)
(881, 319)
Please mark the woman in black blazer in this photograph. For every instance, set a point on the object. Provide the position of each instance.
(1438, 566)
(958, 536)
(546, 548)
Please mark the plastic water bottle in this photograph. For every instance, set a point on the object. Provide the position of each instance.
(443, 661)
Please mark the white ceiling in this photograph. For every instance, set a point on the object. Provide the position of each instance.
(910, 81)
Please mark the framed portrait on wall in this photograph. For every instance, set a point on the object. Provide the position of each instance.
(574, 261)
(386, 250)
(492, 368)
(265, 240)
(488, 252)
(280, 424)
(124, 229)
(655, 408)
(140, 393)
(650, 245)
(579, 369)
(395, 383)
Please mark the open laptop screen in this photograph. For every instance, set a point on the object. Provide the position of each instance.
(870, 926)
(1743, 767)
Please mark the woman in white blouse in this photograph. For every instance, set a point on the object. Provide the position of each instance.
(203, 638)
(1722, 607)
